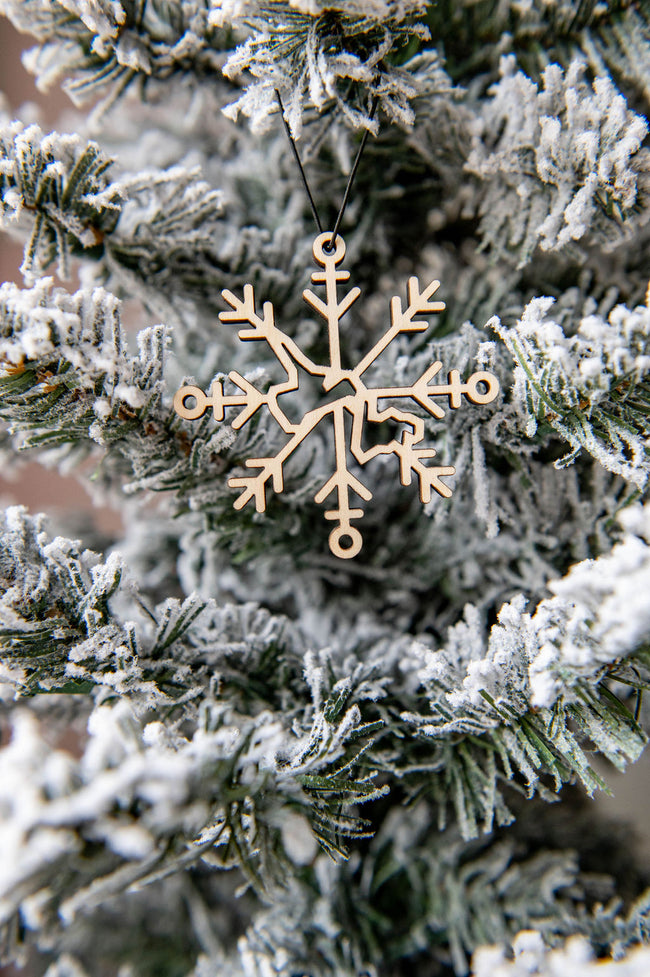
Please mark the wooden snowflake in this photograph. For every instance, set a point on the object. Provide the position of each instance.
(362, 405)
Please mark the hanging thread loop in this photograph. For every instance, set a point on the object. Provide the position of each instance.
(300, 167)
(353, 172)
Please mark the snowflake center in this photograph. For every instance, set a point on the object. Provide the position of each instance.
(342, 388)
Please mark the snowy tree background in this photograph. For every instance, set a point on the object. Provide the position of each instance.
(226, 751)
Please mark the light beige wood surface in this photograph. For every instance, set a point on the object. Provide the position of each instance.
(362, 405)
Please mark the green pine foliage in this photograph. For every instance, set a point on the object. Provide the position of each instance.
(58, 186)
(101, 48)
(229, 752)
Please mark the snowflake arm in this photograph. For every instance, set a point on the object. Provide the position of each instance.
(343, 481)
(332, 310)
(264, 328)
(288, 354)
(410, 457)
(254, 486)
(403, 320)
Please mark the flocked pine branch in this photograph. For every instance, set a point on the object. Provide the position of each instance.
(561, 163)
(146, 800)
(612, 36)
(591, 388)
(524, 695)
(101, 48)
(59, 633)
(263, 714)
(452, 907)
(518, 710)
(56, 185)
(325, 55)
(621, 46)
(154, 225)
(340, 52)
(451, 901)
(68, 381)
(162, 234)
(57, 627)
(313, 924)
(575, 957)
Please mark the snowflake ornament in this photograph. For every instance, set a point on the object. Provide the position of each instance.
(362, 405)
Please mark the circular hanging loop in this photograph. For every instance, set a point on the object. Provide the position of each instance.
(199, 408)
(475, 394)
(324, 253)
(342, 533)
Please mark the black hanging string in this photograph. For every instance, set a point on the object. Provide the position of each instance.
(353, 172)
(297, 158)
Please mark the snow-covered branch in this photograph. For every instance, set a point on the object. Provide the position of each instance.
(592, 387)
(561, 162)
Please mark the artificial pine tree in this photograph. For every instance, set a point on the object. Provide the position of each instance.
(284, 762)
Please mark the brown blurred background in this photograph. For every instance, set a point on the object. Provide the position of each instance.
(38, 488)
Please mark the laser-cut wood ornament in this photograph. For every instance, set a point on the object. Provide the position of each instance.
(345, 539)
